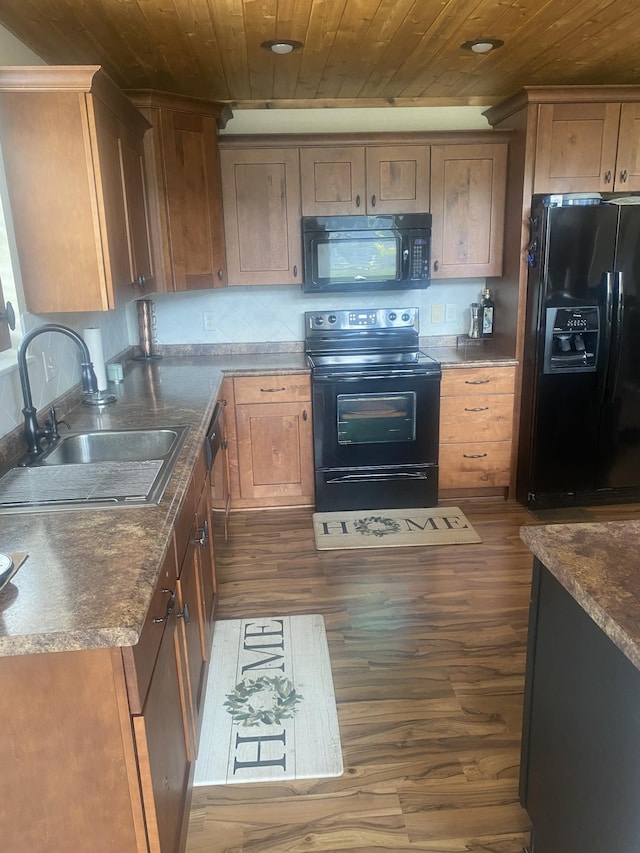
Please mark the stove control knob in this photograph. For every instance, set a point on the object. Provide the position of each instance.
(332, 318)
(393, 316)
(406, 317)
(319, 320)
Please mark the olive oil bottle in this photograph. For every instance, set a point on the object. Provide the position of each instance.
(487, 306)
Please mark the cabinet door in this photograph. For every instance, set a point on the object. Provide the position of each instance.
(628, 162)
(398, 179)
(125, 235)
(162, 735)
(193, 200)
(333, 181)
(576, 147)
(206, 559)
(468, 189)
(261, 197)
(195, 634)
(275, 453)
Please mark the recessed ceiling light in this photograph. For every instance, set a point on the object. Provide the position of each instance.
(282, 46)
(482, 45)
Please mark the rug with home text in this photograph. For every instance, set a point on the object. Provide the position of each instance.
(270, 711)
(391, 528)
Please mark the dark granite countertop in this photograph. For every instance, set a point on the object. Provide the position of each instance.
(598, 565)
(90, 574)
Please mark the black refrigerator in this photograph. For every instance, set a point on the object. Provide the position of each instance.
(579, 441)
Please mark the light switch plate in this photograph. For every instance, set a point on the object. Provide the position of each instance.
(437, 313)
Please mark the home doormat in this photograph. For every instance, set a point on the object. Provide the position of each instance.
(270, 709)
(392, 528)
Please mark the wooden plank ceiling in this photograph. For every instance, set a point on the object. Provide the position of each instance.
(358, 51)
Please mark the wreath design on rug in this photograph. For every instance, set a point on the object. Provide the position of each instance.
(376, 525)
(267, 700)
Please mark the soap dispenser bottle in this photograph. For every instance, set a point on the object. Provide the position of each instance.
(486, 314)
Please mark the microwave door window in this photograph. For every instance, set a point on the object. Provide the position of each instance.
(373, 259)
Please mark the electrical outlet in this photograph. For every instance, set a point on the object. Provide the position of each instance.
(437, 313)
(50, 365)
(208, 321)
(450, 313)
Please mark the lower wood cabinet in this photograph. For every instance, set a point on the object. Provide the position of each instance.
(476, 413)
(98, 745)
(270, 441)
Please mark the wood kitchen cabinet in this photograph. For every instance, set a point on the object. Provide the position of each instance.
(468, 190)
(270, 442)
(368, 180)
(73, 150)
(185, 190)
(587, 146)
(261, 198)
(476, 413)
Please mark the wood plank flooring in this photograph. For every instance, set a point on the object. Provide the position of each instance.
(428, 651)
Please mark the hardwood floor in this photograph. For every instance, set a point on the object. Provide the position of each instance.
(428, 651)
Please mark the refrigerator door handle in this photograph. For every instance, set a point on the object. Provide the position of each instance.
(606, 336)
(615, 344)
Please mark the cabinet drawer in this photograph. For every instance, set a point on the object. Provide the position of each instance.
(139, 660)
(467, 466)
(486, 418)
(478, 380)
(272, 389)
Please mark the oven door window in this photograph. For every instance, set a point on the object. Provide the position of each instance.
(376, 418)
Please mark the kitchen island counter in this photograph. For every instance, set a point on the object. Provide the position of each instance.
(598, 566)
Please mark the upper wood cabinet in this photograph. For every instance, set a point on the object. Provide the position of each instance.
(185, 193)
(72, 145)
(261, 198)
(586, 146)
(468, 188)
(366, 180)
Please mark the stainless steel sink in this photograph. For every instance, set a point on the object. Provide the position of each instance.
(93, 469)
(132, 445)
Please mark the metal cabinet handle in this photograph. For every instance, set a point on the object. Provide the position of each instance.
(271, 390)
(304, 415)
(357, 201)
(220, 274)
(623, 176)
(436, 266)
(140, 281)
(9, 315)
(476, 381)
(477, 409)
(474, 455)
(170, 605)
(607, 176)
(204, 535)
(295, 271)
(373, 201)
(184, 615)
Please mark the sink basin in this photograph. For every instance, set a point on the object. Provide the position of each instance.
(93, 469)
(132, 445)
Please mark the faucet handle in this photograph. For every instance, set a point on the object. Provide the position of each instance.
(52, 423)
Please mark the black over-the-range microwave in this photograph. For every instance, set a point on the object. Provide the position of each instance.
(386, 252)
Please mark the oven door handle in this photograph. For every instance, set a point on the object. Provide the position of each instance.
(391, 374)
(400, 475)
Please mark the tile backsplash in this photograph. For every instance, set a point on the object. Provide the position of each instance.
(275, 314)
(233, 315)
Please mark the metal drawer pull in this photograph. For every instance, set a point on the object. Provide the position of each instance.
(476, 381)
(271, 390)
(170, 605)
(305, 416)
(474, 455)
(477, 409)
